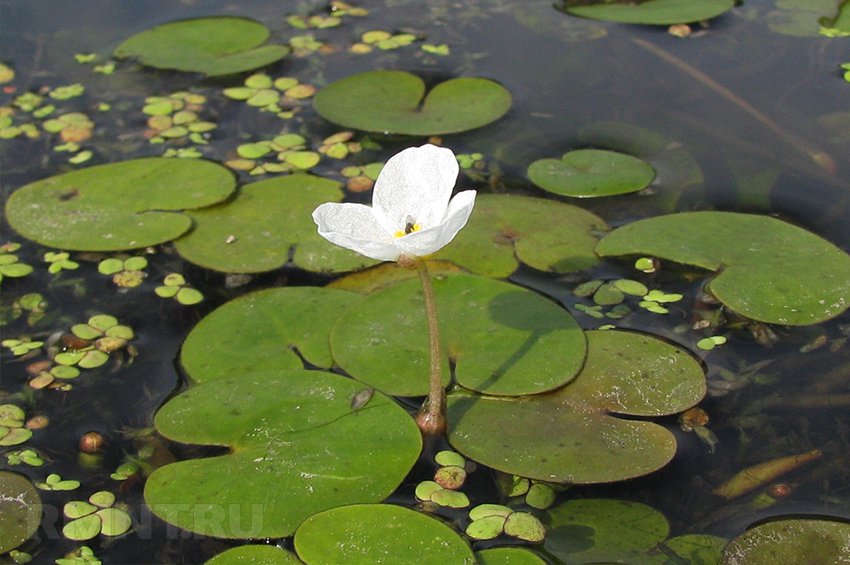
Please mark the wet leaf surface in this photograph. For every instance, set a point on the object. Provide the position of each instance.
(396, 102)
(378, 533)
(502, 339)
(213, 46)
(295, 443)
(655, 12)
(125, 205)
(572, 434)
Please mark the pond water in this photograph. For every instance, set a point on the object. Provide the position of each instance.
(741, 106)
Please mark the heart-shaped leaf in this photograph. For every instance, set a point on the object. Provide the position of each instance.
(587, 173)
(654, 12)
(571, 434)
(265, 330)
(213, 46)
(505, 230)
(258, 229)
(296, 446)
(119, 206)
(379, 534)
(501, 339)
(392, 102)
(769, 270)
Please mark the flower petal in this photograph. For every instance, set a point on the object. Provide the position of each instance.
(415, 183)
(354, 227)
(431, 240)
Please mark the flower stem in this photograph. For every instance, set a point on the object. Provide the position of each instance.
(432, 416)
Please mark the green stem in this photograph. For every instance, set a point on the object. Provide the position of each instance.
(432, 416)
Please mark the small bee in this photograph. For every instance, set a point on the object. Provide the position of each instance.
(410, 225)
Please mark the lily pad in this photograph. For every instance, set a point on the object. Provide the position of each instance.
(597, 530)
(394, 102)
(769, 270)
(505, 230)
(508, 556)
(587, 173)
(790, 541)
(20, 510)
(653, 12)
(572, 435)
(379, 533)
(256, 555)
(295, 444)
(119, 206)
(214, 46)
(265, 330)
(258, 229)
(501, 339)
(677, 171)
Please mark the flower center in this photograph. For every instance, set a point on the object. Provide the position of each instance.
(410, 226)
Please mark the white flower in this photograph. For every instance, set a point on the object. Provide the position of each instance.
(411, 213)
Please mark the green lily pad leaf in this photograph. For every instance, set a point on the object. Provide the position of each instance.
(255, 554)
(114, 521)
(525, 526)
(387, 274)
(450, 498)
(14, 436)
(571, 435)
(20, 510)
(505, 230)
(698, 548)
(595, 530)
(119, 206)
(82, 529)
(102, 498)
(586, 173)
(265, 330)
(379, 533)
(11, 415)
(488, 527)
(502, 339)
(652, 12)
(214, 46)
(292, 443)
(508, 556)
(790, 541)
(392, 102)
(256, 231)
(677, 171)
(769, 270)
(78, 509)
(189, 296)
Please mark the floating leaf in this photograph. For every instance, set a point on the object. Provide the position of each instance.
(213, 46)
(769, 270)
(378, 534)
(508, 556)
(20, 510)
(256, 231)
(392, 102)
(790, 541)
(605, 531)
(653, 12)
(571, 435)
(119, 206)
(506, 229)
(292, 444)
(259, 554)
(265, 330)
(501, 338)
(586, 173)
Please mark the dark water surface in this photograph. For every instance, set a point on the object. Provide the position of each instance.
(567, 76)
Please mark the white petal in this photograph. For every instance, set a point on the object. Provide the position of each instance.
(429, 241)
(354, 227)
(415, 183)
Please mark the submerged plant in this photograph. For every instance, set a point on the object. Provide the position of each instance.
(412, 216)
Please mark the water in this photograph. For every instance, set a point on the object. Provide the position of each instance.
(566, 76)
